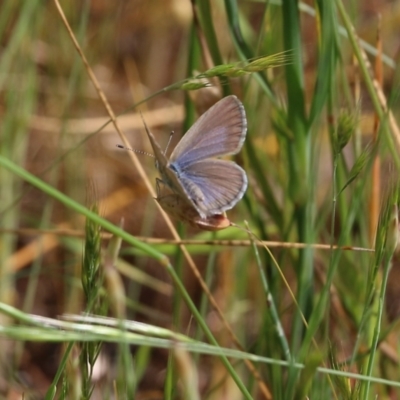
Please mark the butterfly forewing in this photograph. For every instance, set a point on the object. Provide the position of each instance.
(221, 130)
(161, 159)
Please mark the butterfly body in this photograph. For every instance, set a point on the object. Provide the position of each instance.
(210, 185)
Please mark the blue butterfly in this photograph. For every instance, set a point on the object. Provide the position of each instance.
(210, 185)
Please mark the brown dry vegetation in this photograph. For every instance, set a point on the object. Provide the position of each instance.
(53, 115)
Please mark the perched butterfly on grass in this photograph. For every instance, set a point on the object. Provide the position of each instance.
(209, 185)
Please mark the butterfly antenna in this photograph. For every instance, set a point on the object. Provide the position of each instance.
(169, 141)
(144, 153)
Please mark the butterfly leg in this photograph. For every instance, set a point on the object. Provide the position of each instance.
(159, 188)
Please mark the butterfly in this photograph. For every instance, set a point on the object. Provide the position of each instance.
(210, 185)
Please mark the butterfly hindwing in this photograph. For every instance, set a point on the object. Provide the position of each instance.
(214, 186)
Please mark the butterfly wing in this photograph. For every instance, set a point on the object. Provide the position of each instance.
(161, 159)
(213, 186)
(221, 130)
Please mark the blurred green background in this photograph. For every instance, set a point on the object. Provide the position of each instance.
(321, 156)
